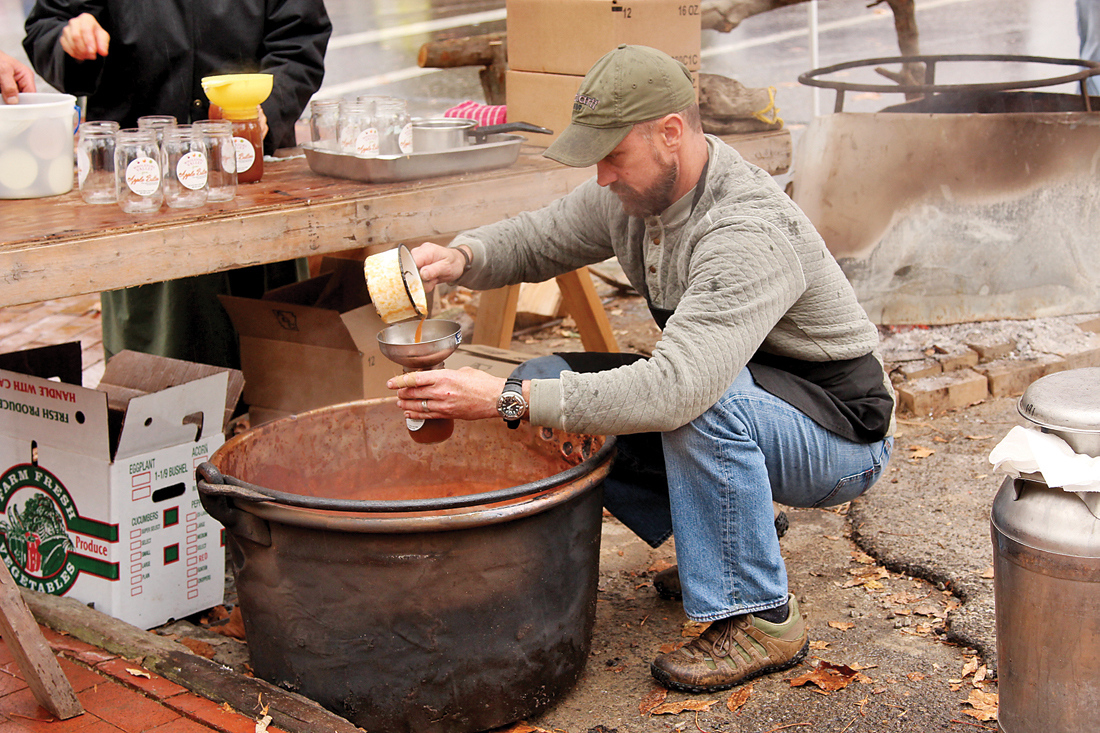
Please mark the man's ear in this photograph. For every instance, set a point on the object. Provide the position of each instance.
(671, 131)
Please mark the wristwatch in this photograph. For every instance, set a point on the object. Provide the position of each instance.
(511, 404)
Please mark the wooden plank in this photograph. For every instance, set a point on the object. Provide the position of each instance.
(770, 149)
(496, 317)
(291, 712)
(582, 302)
(36, 661)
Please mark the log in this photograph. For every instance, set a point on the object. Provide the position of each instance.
(452, 53)
(36, 661)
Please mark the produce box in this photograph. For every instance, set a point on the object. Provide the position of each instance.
(97, 486)
(569, 36)
(546, 100)
(310, 344)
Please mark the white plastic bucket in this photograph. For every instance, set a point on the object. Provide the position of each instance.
(36, 146)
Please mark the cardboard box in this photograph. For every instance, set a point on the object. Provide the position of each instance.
(546, 100)
(498, 362)
(310, 344)
(97, 487)
(569, 36)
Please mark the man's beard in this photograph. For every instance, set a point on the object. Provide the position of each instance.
(653, 200)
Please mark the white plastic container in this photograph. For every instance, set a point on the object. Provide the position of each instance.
(36, 146)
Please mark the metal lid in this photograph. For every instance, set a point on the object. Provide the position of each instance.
(1067, 400)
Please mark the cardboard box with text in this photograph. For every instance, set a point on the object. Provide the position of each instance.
(97, 486)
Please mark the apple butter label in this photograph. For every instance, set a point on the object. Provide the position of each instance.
(405, 138)
(366, 143)
(143, 176)
(83, 165)
(246, 154)
(191, 170)
(44, 541)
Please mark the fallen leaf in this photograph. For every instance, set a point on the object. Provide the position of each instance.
(234, 627)
(919, 451)
(970, 667)
(524, 727)
(693, 628)
(980, 675)
(215, 614)
(831, 536)
(984, 704)
(738, 698)
(659, 566)
(938, 439)
(139, 673)
(902, 597)
(862, 557)
(954, 687)
(915, 676)
(926, 609)
(655, 697)
(987, 573)
(670, 647)
(873, 585)
(819, 645)
(675, 708)
(198, 647)
(978, 437)
(842, 625)
(827, 676)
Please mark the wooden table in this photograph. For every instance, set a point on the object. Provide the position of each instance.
(60, 246)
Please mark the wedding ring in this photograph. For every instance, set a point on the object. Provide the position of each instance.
(423, 405)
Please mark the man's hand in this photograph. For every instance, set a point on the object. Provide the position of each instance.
(263, 122)
(438, 265)
(84, 38)
(14, 78)
(466, 394)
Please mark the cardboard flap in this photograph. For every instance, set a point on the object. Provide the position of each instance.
(45, 412)
(274, 321)
(185, 413)
(60, 360)
(130, 374)
(341, 287)
(363, 325)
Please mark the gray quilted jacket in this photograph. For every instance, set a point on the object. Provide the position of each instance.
(743, 268)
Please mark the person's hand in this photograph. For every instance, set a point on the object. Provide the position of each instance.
(438, 265)
(263, 122)
(466, 394)
(14, 78)
(84, 38)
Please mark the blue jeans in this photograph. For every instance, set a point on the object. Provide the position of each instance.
(714, 491)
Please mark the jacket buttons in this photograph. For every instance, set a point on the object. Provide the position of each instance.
(652, 269)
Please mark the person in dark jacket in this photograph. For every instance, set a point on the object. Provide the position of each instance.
(132, 58)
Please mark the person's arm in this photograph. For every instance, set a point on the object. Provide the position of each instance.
(15, 77)
(296, 34)
(47, 22)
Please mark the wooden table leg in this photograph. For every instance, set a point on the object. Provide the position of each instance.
(36, 661)
(496, 317)
(581, 301)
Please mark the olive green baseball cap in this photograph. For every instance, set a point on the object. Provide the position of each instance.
(629, 85)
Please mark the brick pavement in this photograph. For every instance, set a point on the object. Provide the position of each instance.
(118, 696)
(56, 322)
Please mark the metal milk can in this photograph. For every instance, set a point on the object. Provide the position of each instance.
(1046, 548)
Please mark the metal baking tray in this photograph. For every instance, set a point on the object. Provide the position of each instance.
(498, 151)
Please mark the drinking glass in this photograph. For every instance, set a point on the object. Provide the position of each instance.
(184, 168)
(137, 171)
(95, 161)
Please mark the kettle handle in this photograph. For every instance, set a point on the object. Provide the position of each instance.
(217, 498)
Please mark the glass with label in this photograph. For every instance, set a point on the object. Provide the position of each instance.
(95, 161)
(324, 119)
(183, 167)
(358, 130)
(395, 126)
(137, 171)
(221, 158)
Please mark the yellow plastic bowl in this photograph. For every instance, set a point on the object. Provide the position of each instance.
(238, 92)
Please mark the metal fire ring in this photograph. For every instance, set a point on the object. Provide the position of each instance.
(1089, 68)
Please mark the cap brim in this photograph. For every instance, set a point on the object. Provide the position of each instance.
(580, 146)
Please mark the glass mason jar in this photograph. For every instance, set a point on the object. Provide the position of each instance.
(395, 126)
(324, 118)
(95, 161)
(359, 133)
(137, 171)
(221, 158)
(156, 123)
(183, 167)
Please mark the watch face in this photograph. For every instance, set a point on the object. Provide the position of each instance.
(511, 406)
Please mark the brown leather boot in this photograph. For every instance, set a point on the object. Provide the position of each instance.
(733, 650)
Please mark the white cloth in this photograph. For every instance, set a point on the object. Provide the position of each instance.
(1030, 451)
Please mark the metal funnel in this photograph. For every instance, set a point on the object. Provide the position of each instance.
(438, 340)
